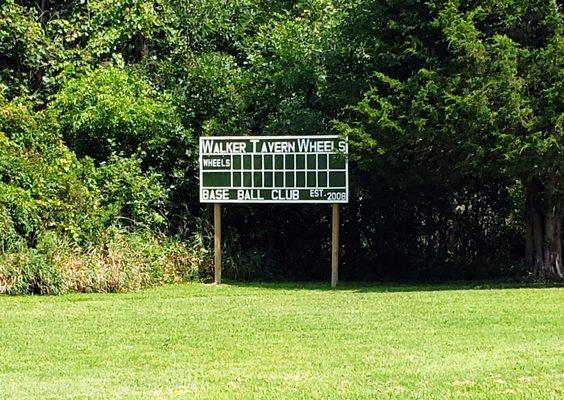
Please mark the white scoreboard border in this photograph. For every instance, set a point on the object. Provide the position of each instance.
(346, 200)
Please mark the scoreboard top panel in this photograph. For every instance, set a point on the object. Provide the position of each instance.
(274, 169)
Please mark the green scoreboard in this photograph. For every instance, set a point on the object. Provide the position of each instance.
(273, 169)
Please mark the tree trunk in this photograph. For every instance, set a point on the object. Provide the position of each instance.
(553, 241)
(543, 232)
(529, 229)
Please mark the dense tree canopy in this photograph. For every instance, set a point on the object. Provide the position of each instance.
(453, 111)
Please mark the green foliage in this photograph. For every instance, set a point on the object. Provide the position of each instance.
(28, 272)
(210, 94)
(129, 195)
(42, 182)
(45, 187)
(62, 219)
(287, 69)
(132, 28)
(456, 111)
(110, 111)
(450, 107)
(24, 47)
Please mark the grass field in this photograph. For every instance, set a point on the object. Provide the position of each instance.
(285, 342)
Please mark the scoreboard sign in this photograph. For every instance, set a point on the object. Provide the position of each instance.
(274, 169)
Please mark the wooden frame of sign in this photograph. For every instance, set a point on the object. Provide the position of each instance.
(274, 169)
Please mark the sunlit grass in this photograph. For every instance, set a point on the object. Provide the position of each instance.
(285, 342)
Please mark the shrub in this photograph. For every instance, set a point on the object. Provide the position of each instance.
(68, 225)
(28, 272)
(111, 111)
(42, 184)
(130, 196)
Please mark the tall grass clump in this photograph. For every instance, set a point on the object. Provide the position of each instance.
(120, 262)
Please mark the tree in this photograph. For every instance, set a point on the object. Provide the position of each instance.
(520, 63)
(473, 89)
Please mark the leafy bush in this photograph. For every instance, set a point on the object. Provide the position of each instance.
(43, 186)
(68, 225)
(111, 111)
(128, 194)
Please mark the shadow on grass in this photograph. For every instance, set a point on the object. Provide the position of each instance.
(383, 287)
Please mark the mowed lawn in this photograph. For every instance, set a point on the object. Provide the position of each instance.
(287, 341)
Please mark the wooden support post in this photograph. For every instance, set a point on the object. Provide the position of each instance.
(217, 242)
(335, 247)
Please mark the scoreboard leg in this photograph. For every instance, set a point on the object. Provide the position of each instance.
(217, 242)
(335, 247)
